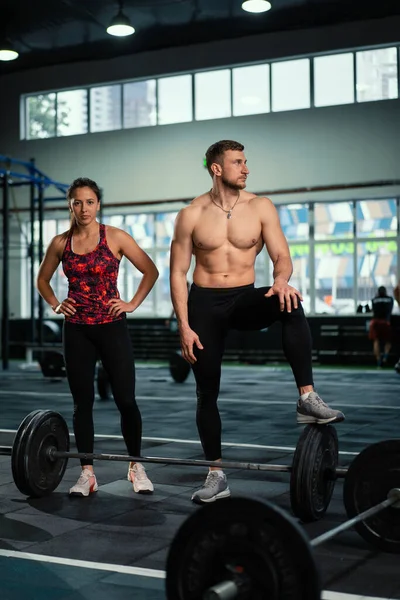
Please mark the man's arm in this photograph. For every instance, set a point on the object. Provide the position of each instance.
(181, 255)
(180, 258)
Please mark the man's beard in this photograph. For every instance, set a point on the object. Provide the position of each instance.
(233, 186)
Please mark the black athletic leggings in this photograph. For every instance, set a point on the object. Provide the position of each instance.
(83, 346)
(212, 312)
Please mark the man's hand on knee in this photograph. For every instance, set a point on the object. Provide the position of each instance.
(288, 295)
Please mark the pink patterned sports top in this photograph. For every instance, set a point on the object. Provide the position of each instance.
(92, 282)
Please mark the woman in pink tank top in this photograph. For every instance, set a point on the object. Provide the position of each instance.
(95, 323)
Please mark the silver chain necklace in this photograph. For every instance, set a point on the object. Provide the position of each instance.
(229, 212)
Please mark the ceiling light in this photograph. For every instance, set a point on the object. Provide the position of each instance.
(7, 52)
(120, 25)
(256, 6)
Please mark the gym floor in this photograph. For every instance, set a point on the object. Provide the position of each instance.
(114, 544)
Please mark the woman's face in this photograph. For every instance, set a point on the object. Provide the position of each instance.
(84, 205)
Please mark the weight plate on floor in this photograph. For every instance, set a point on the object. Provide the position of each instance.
(18, 453)
(103, 383)
(312, 479)
(179, 367)
(255, 544)
(35, 473)
(371, 475)
(52, 364)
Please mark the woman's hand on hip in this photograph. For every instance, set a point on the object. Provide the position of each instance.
(118, 306)
(66, 308)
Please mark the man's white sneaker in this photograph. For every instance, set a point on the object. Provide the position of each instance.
(86, 484)
(139, 480)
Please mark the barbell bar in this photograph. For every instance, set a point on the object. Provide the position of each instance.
(393, 499)
(250, 549)
(40, 453)
(54, 454)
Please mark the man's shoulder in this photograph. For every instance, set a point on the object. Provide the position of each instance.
(200, 201)
(189, 215)
(258, 199)
(261, 204)
(196, 205)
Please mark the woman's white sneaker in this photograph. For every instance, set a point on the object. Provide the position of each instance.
(86, 484)
(139, 480)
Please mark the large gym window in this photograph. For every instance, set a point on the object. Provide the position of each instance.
(334, 79)
(175, 99)
(294, 221)
(333, 220)
(291, 85)
(213, 95)
(164, 227)
(250, 90)
(334, 278)
(40, 116)
(376, 218)
(140, 103)
(377, 74)
(141, 228)
(105, 108)
(218, 94)
(376, 266)
(72, 112)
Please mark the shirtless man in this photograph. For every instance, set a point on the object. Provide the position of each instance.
(225, 229)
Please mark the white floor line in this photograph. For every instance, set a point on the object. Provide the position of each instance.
(192, 398)
(339, 596)
(195, 442)
(156, 574)
(86, 564)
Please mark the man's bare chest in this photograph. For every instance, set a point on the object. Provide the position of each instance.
(241, 231)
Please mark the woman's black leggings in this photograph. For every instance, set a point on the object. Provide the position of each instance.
(83, 346)
(212, 313)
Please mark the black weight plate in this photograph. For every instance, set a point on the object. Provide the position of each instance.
(18, 453)
(251, 539)
(179, 367)
(103, 383)
(312, 479)
(52, 364)
(41, 473)
(371, 475)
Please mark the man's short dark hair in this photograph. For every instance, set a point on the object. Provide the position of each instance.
(215, 153)
(382, 291)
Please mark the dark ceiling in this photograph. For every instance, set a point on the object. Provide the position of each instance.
(48, 32)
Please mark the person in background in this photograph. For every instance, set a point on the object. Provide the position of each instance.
(380, 331)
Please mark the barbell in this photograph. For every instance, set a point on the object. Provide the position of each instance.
(249, 549)
(40, 453)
